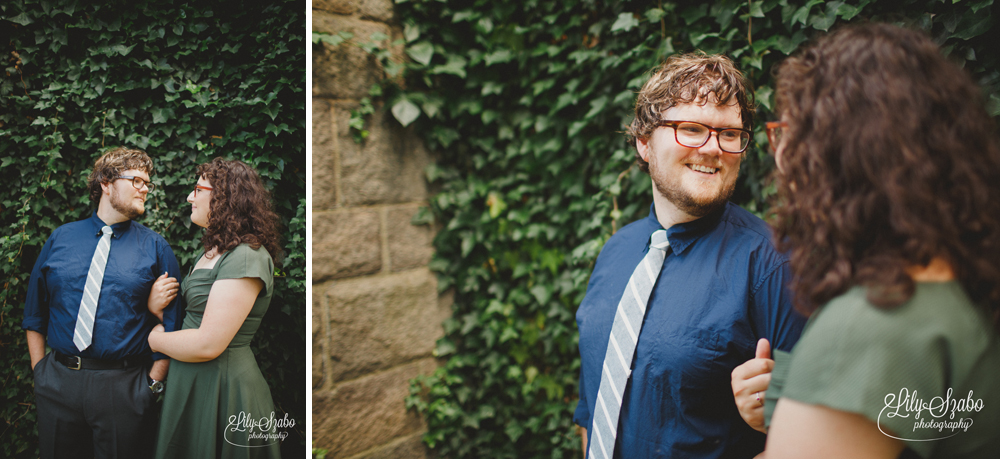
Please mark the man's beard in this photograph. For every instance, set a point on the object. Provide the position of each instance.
(123, 207)
(674, 192)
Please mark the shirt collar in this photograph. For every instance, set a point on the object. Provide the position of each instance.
(119, 228)
(682, 235)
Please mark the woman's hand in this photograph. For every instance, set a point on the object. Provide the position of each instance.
(750, 381)
(157, 330)
(229, 304)
(163, 292)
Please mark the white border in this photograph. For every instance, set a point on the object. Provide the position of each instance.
(309, 201)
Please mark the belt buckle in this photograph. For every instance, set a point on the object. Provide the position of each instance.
(79, 362)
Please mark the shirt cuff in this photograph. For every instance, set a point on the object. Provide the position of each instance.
(35, 324)
(582, 415)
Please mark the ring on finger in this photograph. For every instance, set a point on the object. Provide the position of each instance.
(758, 398)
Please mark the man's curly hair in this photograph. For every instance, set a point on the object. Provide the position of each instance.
(889, 161)
(240, 209)
(111, 165)
(687, 79)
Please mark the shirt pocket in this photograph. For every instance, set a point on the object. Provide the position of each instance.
(699, 376)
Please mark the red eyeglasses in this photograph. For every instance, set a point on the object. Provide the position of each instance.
(199, 187)
(693, 134)
(775, 130)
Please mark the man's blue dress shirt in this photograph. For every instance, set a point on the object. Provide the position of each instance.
(137, 257)
(722, 287)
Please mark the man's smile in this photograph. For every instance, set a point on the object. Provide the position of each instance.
(703, 169)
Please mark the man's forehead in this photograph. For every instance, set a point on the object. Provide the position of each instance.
(731, 106)
(136, 173)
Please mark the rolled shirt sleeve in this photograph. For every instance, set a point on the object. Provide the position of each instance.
(36, 303)
(173, 314)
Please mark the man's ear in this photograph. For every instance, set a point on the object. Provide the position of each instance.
(106, 187)
(642, 146)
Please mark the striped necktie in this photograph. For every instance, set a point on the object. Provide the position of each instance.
(84, 332)
(621, 347)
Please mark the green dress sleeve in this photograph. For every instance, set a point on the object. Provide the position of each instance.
(859, 358)
(243, 261)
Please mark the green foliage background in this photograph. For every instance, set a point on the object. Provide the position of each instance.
(525, 102)
(186, 81)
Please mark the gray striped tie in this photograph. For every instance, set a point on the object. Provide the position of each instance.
(621, 347)
(84, 332)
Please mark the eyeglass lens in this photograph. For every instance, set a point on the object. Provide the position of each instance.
(138, 182)
(694, 135)
(774, 133)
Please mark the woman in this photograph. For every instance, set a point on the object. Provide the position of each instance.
(889, 206)
(216, 395)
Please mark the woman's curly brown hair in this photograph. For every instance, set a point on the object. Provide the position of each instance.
(889, 160)
(240, 211)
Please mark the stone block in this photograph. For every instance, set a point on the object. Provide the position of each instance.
(411, 447)
(376, 10)
(369, 412)
(319, 365)
(345, 243)
(336, 6)
(410, 246)
(387, 168)
(324, 156)
(345, 71)
(378, 322)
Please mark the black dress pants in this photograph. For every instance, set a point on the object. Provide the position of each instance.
(94, 413)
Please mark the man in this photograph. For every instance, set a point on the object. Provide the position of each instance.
(719, 289)
(87, 299)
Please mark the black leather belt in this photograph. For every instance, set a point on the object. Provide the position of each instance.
(81, 363)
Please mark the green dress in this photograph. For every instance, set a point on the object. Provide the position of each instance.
(926, 372)
(208, 406)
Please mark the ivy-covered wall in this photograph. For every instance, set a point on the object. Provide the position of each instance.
(525, 103)
(186, 81)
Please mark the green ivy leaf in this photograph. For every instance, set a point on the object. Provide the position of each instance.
(625, 21)
(454, 66)
(973, 25)
(411, 31)
(825, 21)
(763, 95)
(162, 115)
(655, 14)
(22, 19)
(405, 111)
(802, 14)
(421, 52)
(693, 14)
(498, 57)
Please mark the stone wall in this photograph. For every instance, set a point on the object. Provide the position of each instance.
(376, 310)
